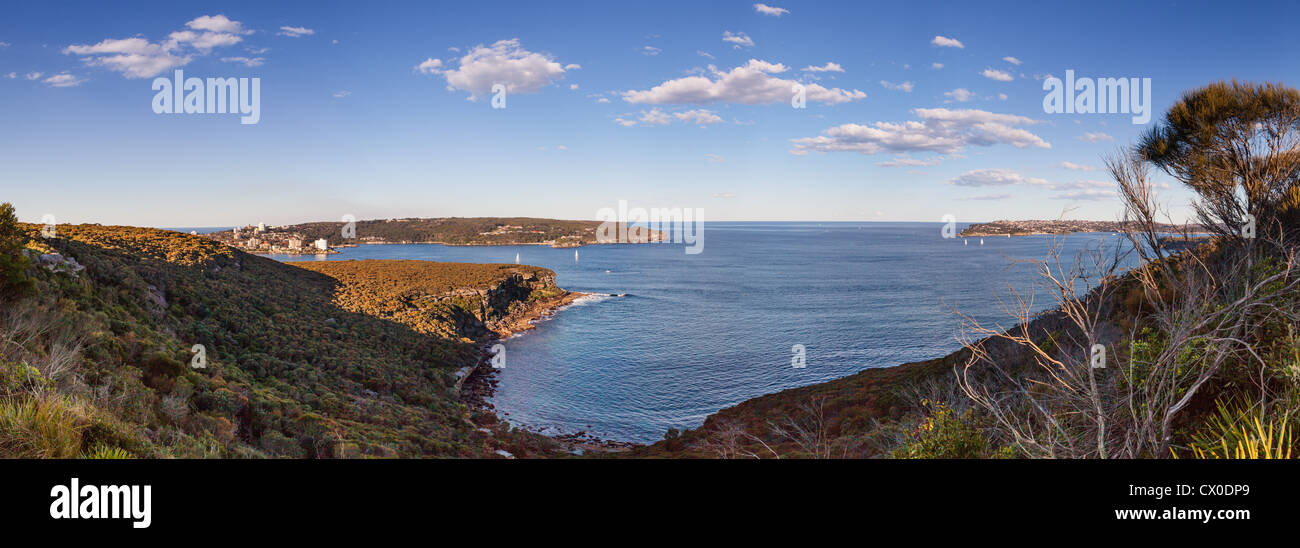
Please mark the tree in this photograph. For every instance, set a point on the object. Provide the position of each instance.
(14, 280)
(1238, 146)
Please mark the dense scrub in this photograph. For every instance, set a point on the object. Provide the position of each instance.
(98, 361)
(455, 300)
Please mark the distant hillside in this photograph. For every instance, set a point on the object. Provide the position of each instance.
(449, 231)
(297, 364)
(1025, 228)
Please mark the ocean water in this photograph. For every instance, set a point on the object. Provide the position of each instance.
(697, 333)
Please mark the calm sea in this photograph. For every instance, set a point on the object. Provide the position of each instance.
(697, 333)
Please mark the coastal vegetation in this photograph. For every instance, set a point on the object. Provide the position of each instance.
(98, 331)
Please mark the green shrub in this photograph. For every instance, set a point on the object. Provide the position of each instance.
(945, 434)
(14, 264)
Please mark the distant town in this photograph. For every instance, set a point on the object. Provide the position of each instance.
(273, 239)
(1028, 228)
(323, 237)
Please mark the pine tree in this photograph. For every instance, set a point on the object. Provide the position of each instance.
(14, 279)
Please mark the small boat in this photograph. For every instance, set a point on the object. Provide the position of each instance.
(516, 258)
(965, 242)
(981, 241)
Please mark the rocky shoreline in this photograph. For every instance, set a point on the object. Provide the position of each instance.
(478, 386)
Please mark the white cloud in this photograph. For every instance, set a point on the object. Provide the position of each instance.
(1069, 190)
(342, 94)
(905, 86)
(828, 67)
(1002, 97)
(936, 66)
(770, 10)
(986, 197)
(202, 41)
(33, 75)
(429, 66)
(139, 58)
(133, 57)
(573, 86)
(739, 39)
(561, 147)
(939, 130)
(750, 84)
(657, 117)
(698, 116)
(650, 50)
(945, 42)
(505, 62)
(11, 75)
(999, 75)
(703, 53)
(217, 23)
(63, 80)
(993, 177)
(295, 32)
(911, 162)
(1095, 137)
(1078, 167)
(725, 195)
(1088, 195)
(602, 100)
(717, 159)
(5, 44)
(961, 95)
(248, 62)
(1012, 60)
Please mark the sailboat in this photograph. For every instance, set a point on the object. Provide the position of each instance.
(516, 258)
(981, 241)
(575, 255)
(965, 242)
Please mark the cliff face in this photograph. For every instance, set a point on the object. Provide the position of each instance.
(435, 298)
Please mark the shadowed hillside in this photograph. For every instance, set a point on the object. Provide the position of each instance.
(101, 354)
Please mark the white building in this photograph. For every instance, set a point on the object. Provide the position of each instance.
(322, 244)
(261, 227)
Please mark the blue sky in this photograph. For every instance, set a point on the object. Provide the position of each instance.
(366, 110)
